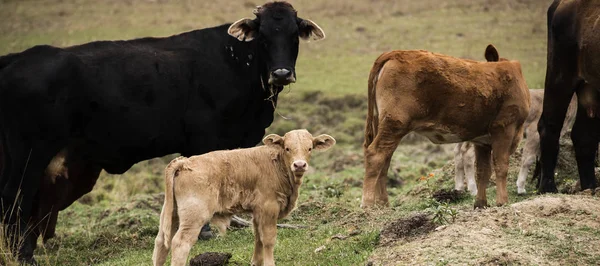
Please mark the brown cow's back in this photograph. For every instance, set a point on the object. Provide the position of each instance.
(441, 95)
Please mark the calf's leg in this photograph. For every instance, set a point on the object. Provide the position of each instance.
(265, 220)
(530, 154)
(192, 215)
(378, 156)
(483, 169)
(459, 168)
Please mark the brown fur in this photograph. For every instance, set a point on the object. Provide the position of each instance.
(263, 181)
(447, 100)
(464, 154)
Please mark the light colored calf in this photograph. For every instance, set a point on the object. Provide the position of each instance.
(464, 152)
(263, 181)
(447, 100)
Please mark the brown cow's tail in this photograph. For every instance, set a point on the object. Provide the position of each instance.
(372, 113)
(170, 206)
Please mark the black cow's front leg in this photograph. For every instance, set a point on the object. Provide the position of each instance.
(585, 136)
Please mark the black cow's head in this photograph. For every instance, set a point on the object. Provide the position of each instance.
(277, 29)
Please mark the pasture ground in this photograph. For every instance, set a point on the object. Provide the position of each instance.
(116, 223)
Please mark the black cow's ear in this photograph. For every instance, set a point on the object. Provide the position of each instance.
(244, 29)
(308, 29)
(273, 139)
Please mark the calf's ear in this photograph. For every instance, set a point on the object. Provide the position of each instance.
(308, 29)
(323, 142)
(491, 54)
(244, 29)
(273, 139)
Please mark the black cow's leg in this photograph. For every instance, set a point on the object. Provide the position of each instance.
(585, 136)
(18, 194)
(206, 233)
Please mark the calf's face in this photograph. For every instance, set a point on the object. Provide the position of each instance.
(297, 146)
(277, 29)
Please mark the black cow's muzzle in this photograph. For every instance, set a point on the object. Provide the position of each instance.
(282, 77)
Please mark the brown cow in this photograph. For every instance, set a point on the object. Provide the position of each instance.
(447, 100)
(263, 181)
(464, 153)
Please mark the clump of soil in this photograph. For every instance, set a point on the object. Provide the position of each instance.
(405, 228)
(448, 195)
(211, 259)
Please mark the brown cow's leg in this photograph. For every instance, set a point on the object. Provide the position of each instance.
(377, 161)
(504, 142)
(482, 165)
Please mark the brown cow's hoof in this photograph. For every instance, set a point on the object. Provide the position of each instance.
(480, 204)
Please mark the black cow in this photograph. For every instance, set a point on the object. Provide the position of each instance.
(573, 67)
(68, 113)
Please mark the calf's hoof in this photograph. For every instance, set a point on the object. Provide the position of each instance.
(480, 204)
(521, 191)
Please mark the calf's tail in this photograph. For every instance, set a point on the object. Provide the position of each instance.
(166, 218)
(372, 121)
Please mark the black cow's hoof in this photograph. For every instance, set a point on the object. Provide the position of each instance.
(206, 233)
(547, 189)
(28, 262)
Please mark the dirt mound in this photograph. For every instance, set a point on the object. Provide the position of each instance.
(545, 230)
(405, 228)
(211, 259)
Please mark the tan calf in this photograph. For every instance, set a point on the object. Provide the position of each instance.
(263, 181)
(447, 100)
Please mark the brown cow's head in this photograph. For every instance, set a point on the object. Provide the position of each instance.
(277, 29)
(297, 146)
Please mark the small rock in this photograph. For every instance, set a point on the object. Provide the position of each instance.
(441, 227)
(319, 249)
(355, 232)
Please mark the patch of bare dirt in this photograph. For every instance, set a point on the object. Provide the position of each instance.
(211, 259)
(405, 228)
(448, 195)
(545, 230)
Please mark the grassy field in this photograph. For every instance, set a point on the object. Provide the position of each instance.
(116, 223)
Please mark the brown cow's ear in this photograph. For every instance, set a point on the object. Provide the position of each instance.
(308, 29)
(273, 139)
(323, 142)
(491, 54)
(244, 29)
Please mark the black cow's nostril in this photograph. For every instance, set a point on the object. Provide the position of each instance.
(282, 73)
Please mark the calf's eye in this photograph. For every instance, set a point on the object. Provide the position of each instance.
(309, 149)
(287, 149)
